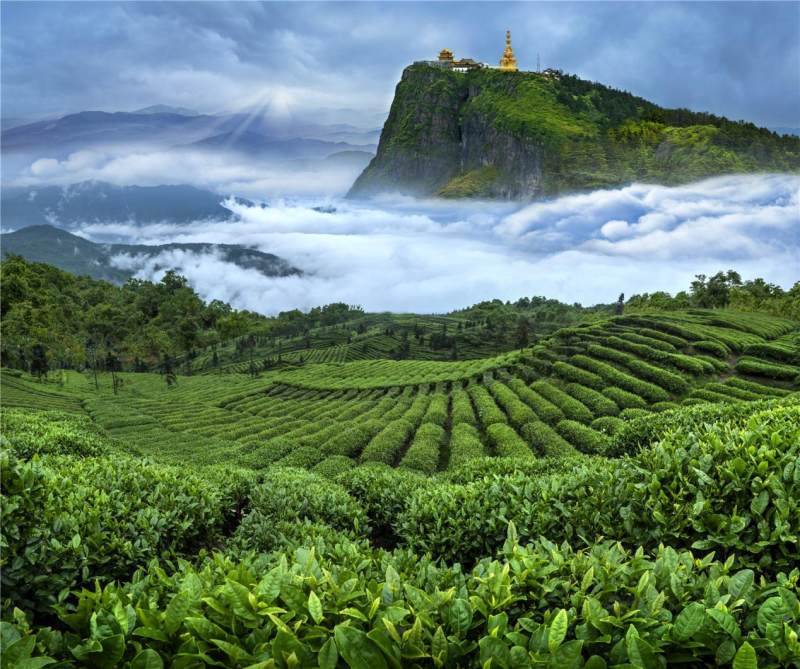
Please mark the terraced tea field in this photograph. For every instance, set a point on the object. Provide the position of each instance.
(570, 393)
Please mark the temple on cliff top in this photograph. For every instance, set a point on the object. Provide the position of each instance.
(508, 62)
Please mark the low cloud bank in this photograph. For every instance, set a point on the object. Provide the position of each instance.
(220, 171)
(410, 255)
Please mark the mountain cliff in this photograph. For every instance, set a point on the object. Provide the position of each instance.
(516, 135)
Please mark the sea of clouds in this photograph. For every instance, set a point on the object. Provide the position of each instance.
(403, 254)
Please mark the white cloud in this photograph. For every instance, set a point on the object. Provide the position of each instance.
(410, 255)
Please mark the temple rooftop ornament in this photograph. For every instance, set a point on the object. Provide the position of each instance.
(508, 63)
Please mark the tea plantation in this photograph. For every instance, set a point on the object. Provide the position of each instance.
(623, 493)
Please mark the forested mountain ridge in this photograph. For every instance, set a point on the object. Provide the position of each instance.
(117, 262)
(514, 135)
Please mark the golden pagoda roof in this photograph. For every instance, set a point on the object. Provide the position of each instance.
(508, 62)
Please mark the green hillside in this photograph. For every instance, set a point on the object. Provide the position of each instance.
(623, 491)
(489, 133)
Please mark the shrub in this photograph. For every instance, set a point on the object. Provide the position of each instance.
(658, 375)
(265, 455)
(577, 375)
(543, 408)
(487, 410)
(715, 348)
(652, 342)
(583, 438)
(67, 521)
(630, 414)
(462, 411)
(352, 440)
(481, 468)
(51, 432)
(423, 454)
(757, 388)
(437, 410)
(599, 404)
(572, 408)
(304, 457)
(518, 412)
(465, 445)
(545, 440)
(648, 391)
(785, 354)
(624, 399)
(382, 492)
(560, 607)
(385, 446)
(717, 487)
(506, 442)
(767, 369)
(664, 406)
(609, 425)
(291, 494)
(333, 466)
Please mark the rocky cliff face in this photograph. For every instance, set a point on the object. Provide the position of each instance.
(522, 135)
(433, 144)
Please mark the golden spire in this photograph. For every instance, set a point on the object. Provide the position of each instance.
(508, 63)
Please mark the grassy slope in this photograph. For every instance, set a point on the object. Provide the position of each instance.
(298, 415)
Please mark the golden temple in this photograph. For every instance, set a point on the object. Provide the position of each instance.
(508, 63)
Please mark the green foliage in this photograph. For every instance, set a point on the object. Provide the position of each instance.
(572, 408)
(423, 453)
(506, 442)
(624, 399)
(485, 407)
(546, 441)
(382, 492)
(51, 433)
(599, 404)
(67, 521)
(756, 367)
(465, 444)
(739, 495)
(343, 605)
(388, 442)
(544, 408)
(584, 438)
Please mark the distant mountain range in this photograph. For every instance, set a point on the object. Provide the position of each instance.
(165, 127)
(91, 201)
(48, 244)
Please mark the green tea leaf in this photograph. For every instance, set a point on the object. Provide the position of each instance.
(358, 650)
(315, 607)
(558, 630)
(147, 659)
(745, 657)
(328, 655)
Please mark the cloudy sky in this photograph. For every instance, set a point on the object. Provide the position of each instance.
(739, 59)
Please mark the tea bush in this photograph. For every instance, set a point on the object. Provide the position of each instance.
(51, 432)
(506, 442)
(584, 438)
(344, 605)
(721, 486)
(423, 453)
(67, 521)
(570, 407)
(599, 404)
(542, 407)
(546, 441)
(465, 444)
